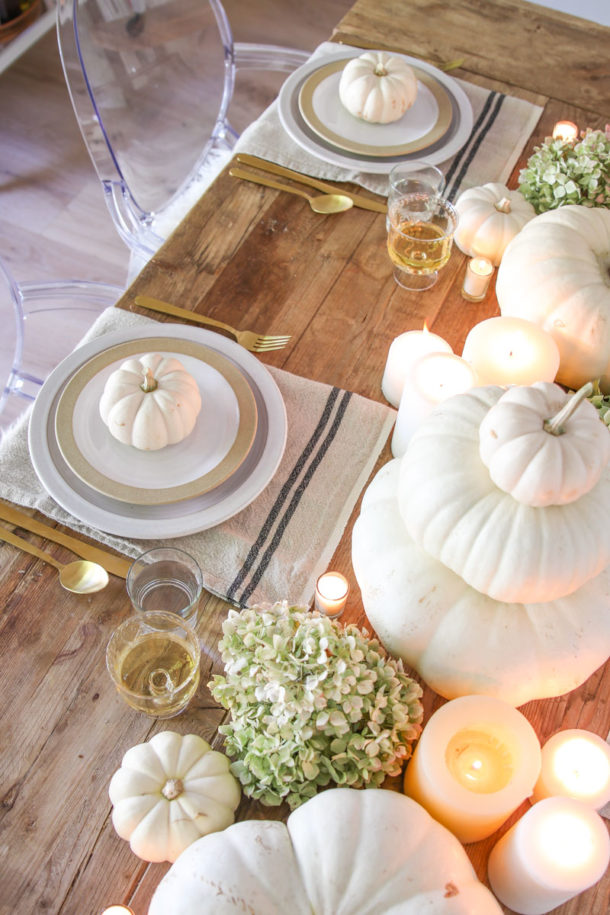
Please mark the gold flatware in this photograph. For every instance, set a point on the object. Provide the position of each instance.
(323, 203)
(256, 343)
(80, 576)
(116, 565)
(281, 171)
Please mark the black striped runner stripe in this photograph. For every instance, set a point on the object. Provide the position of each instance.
(463, 160)
(282, 497)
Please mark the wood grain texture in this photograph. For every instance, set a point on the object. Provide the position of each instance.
(255, 258)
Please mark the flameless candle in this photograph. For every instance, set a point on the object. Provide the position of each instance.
(558, 849)
(565, 130)
(476, 761)
(433, 379)
(508, 351)
(332, 589)
(575, 764)
(404, 352)
(478, 274)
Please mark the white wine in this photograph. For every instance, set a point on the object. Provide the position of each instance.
(159, 674)
(419, 247)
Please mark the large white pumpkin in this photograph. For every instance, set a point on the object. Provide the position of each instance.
(344, 852)
(459, 640)
(556, 273)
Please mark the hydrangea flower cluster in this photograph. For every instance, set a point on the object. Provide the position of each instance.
(561, 172)
(312, 703)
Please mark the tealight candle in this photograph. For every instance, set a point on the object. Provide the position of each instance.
(434, 378)
(508, 351)
(478, 274)
(118, 910)
(566, 131)
(476, 761)
(404, 351)
(576, 764)
(332, 589)
(558, 849)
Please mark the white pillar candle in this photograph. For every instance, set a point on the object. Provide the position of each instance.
(566, 131)
(558, 849)
(476, 761)
(576, 764)
(478, 275)
(404, 352)
(332, 589)
(508, 351)
(433, 379)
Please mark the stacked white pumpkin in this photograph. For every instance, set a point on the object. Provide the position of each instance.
(483, 554)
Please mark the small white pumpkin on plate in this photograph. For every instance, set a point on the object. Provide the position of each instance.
(377, 87)
(170, 792)
(150, 402)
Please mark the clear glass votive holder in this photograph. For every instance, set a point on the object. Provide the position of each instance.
(166, 579)
(154, 661)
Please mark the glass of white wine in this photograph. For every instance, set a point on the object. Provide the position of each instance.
(421, 227)
(154, 661)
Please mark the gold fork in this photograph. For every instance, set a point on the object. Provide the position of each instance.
(256, 343)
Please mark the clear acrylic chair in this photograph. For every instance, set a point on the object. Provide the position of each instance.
(41, 324)
(150, 83)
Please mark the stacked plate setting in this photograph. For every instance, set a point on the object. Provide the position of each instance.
(227, 460)
(434, 128)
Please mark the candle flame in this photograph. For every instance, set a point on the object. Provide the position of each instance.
(426, 328)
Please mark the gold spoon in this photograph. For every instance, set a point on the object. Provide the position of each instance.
(322, 203)
(80, 576)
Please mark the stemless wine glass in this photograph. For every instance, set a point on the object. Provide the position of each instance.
(154, 661)
(421, 227)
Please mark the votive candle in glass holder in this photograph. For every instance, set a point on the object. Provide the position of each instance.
(556, 851)
(576, 764)
(476, 761)
(332, 589)
(566, 131)
(479, 271)
(404, 351)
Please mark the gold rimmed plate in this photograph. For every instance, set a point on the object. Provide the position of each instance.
(428, 119)
(224, 430)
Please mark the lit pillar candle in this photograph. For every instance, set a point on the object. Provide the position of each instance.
(404, 352)
(476, 761)
(576, 764)
(566, 131)
(508, 351)
(433, 379)
(332, 589)
(478, 275)
(558, 849)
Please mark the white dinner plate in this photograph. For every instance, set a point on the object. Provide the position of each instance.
(425, 122)
(220, 440)
(175, 519)
(296, 127)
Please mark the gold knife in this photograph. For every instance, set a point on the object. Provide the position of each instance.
(364, 202)
(116, 565)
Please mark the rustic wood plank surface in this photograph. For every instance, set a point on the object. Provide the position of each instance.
(255, 258)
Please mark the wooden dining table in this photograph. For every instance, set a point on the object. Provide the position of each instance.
(258, 258)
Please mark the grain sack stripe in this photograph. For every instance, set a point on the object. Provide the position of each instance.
(283, 494)
(464, 159)
(296, 498)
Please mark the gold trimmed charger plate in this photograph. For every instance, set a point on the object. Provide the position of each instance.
(220, 441)
(428, 119)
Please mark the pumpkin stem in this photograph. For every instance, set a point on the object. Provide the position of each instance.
(380, 70)
(150, 382)
(503, 205)
(172, 789)
(554, 425)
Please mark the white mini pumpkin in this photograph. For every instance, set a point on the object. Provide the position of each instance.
(556, 273)
(345, 852)
(490, 216)
(377, 87)
(170, 792)
(150, 402)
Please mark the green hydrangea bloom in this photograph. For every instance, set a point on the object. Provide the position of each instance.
(312, 703)
(560, 172)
